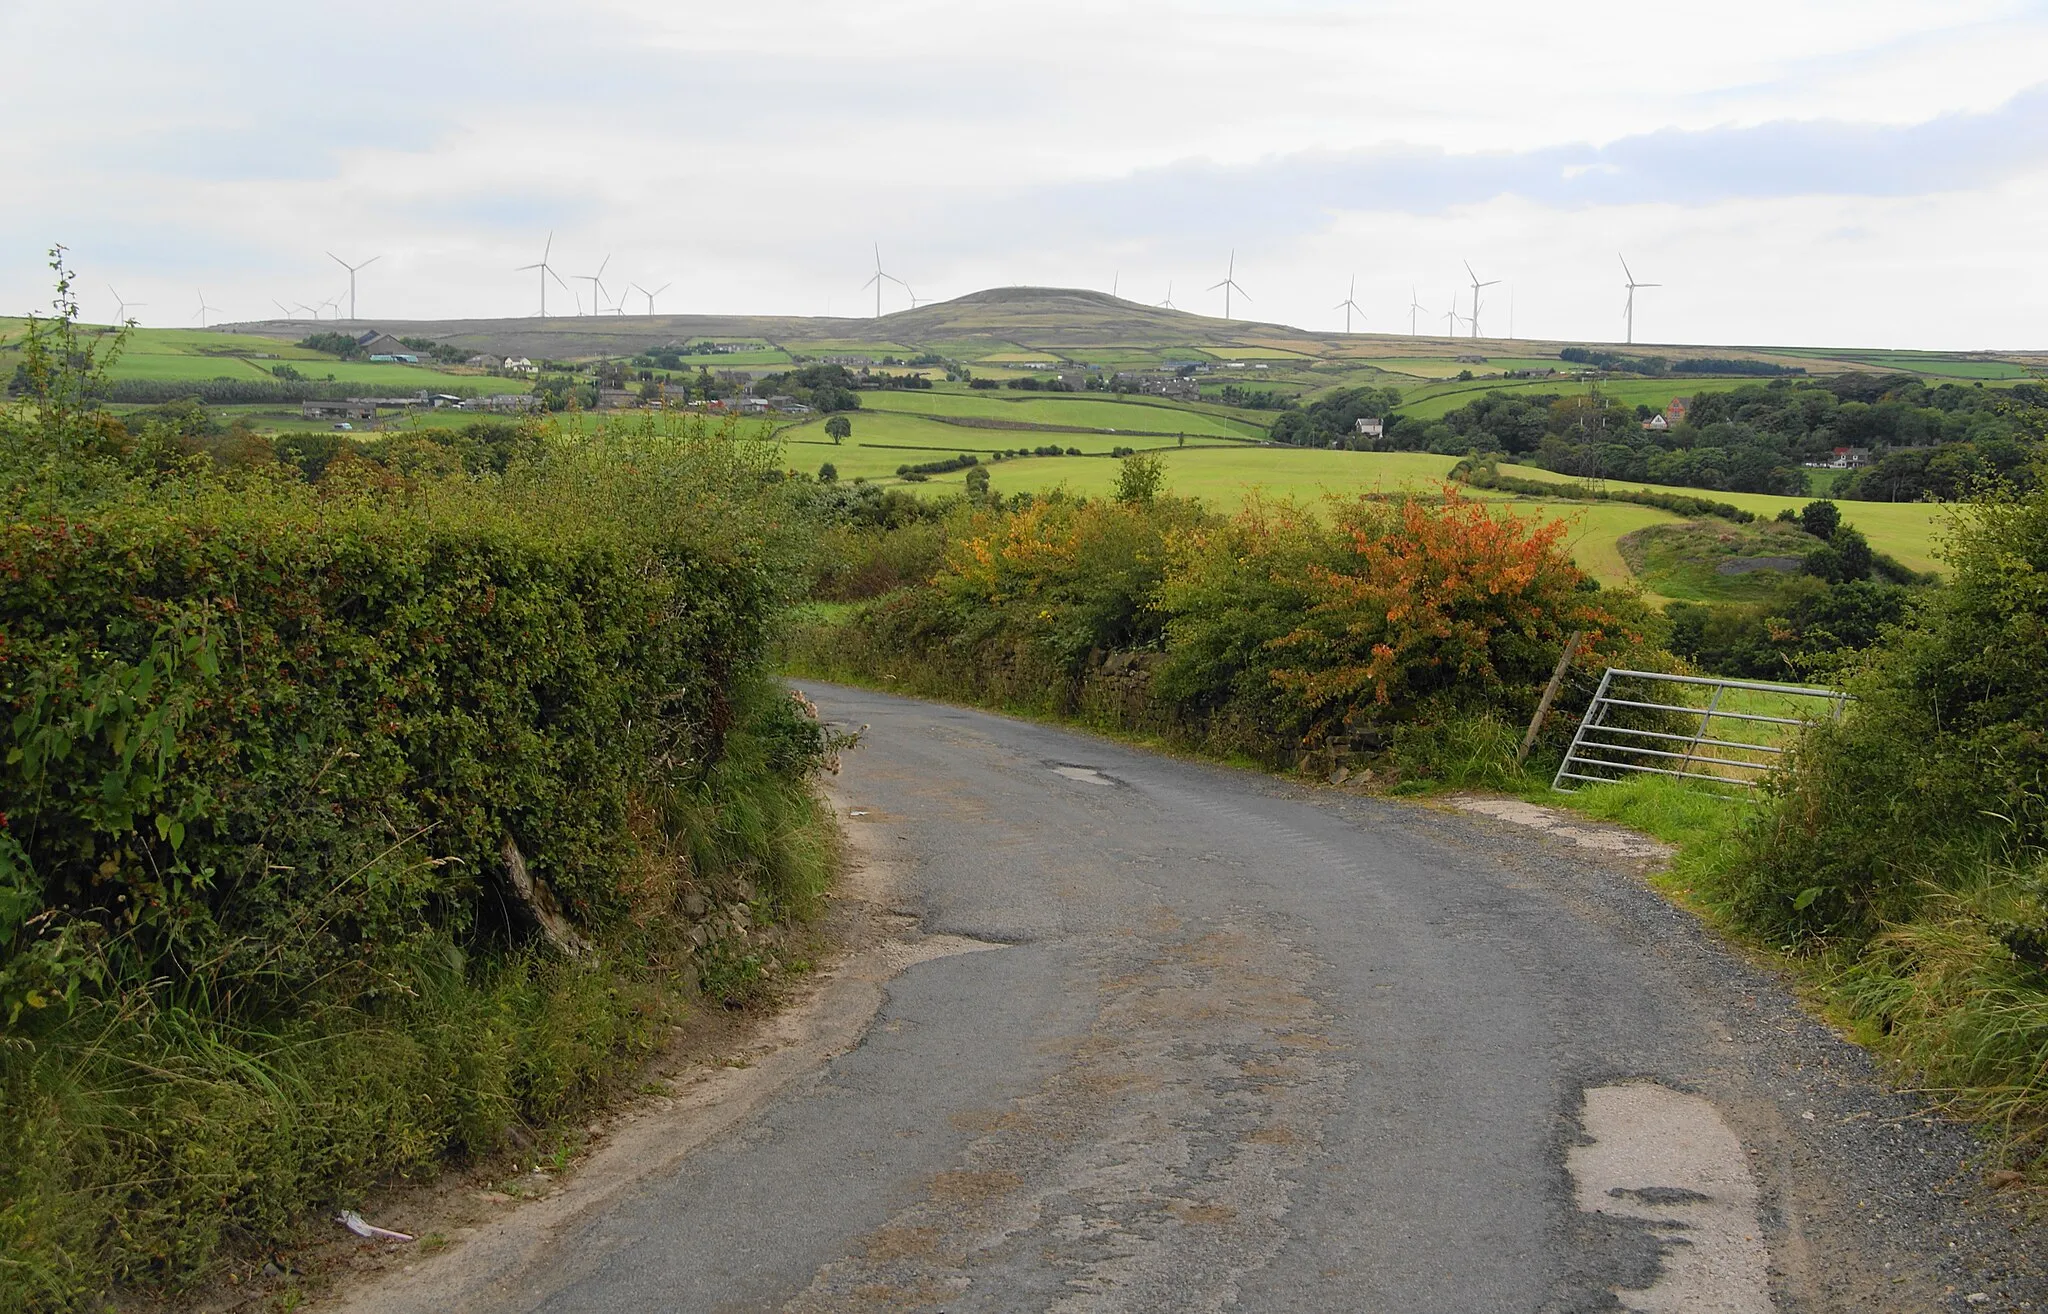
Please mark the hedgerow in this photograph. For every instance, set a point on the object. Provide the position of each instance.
(271, 752)
(1265, 633)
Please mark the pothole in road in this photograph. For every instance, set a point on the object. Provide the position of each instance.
(1667, 1163)
(1087, 775)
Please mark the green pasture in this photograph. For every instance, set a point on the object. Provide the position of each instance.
(1075, 409)
(1224, 477)
(733, 360)
(1444, 367)
(1684, 560)
(883, 440)
(1435, 401)
(396, 378)
(1909, 531)
(1939, 367)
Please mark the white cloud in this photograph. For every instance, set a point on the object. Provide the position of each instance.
(1847, 170)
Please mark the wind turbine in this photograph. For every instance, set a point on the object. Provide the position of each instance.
(1476, 285)
(1168, 303)
(203, 309)
(282, 306)
(1451, 318)
(652, 295)
(547, 271)
(1229, 285)
(1629, 312)
(352, 277)
(1415, 307)
(1349, 304)
(596, 282)
(122, 313)
(879, 278)
(1114, 279)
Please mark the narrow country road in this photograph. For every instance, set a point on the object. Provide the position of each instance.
(1244, 1044)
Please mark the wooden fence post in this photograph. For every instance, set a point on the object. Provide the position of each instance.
(1564, 661)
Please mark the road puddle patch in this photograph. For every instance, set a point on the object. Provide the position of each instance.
(1668, 1164)
(1086, 775)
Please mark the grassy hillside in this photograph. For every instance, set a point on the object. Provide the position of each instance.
(1909, 531)
(1007, 326)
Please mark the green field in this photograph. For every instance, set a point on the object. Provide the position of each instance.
(1436, 401)
(1073, 409)
(1909, 531)
(1685, 560)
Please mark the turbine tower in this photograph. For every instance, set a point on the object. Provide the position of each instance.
(1476, 285)
(1415, 307)
(596, 282)
(652, 295)
(203, 309)
(1349, 304)
(121, 315)
(879, 278)
(1229, 285)
(1629, 311)
(352, 277)
(1168, 303)
(547, 271)
(1451, 318)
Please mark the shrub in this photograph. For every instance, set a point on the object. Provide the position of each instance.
(1940, 767)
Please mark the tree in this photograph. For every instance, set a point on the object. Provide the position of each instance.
(828, 473)
(977, 484)
(1820, 519)
(838, 428)
(1138, 478)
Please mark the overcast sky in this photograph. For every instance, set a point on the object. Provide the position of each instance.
(1832, 172)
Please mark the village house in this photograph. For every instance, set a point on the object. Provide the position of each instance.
(1371, 427)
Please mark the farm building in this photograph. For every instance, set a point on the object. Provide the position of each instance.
(1371, 426)
(353, 409)
(613, 399)
(377, 342)
(510, 403)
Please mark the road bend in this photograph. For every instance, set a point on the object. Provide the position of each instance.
(1234, 1042)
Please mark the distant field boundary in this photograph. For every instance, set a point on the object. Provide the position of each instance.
(989, 422)
(907, 447)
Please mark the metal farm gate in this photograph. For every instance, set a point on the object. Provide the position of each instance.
(1759, 719)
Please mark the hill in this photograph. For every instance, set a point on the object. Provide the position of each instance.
(1007, 326)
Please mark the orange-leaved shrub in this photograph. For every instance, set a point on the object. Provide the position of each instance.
(1258, 632)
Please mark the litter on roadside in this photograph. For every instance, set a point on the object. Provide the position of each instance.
(353, 1221)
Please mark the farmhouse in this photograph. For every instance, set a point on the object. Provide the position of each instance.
(519, 365)
(1675, 412)
(377, 343)
(486, 362)
(612, 399)
(1371, 426)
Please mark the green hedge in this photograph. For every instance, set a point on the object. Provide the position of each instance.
(1484, 472)
(264, 743)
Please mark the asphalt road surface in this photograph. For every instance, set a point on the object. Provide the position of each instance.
(1253, 1045)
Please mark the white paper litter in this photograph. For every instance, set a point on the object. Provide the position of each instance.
(353, 1221)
